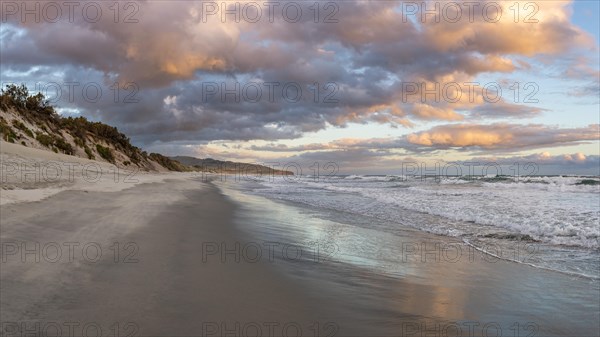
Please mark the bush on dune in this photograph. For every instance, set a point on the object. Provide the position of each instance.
(105, 153)
(89, 152)
(44, 139)
(55, 143)
(19, 125)
(18, 98)
(6, 131)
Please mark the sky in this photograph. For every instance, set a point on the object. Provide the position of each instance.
(367, 85)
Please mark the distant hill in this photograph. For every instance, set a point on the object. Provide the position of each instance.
(219, 166)
(30, 121)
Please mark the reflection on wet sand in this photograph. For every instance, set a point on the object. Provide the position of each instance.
(404, 284)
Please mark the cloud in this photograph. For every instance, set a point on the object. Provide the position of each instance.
(464, 137)
(425, 111)
(174, 40)
(165, 44)
(501, 136)
(577, 158)
(363, 62)
(505, 110)
(545, 162)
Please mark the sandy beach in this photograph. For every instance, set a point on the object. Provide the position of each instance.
(178, 255)
(81, 257)
(162, 285)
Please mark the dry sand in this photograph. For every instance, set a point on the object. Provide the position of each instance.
(29, 174)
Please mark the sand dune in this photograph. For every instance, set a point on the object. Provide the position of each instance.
(30, 174)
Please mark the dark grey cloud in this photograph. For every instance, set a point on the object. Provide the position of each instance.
(170, 55)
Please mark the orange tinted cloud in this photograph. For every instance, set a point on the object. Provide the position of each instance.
(492, 137)
(501, 136)
(524, 27)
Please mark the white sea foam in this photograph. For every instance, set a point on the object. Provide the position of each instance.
(554, 210)
(559, 213)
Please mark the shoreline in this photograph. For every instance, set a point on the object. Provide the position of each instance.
(429, 285)
(172, 275)
(175, 254)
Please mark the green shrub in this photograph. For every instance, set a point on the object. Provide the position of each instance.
(79, 142)
(14, 96)
(89, 152)
(45, 140)
(18, 98)
(55, 143)
(105, 153)
(7, 132)
(62, 145)
(135, 157)
(19, 125)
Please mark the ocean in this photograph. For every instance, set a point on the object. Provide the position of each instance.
(548, 222)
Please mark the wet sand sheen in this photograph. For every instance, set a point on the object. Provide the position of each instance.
(408, 292)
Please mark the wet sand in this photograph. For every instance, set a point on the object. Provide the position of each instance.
(406, 282)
